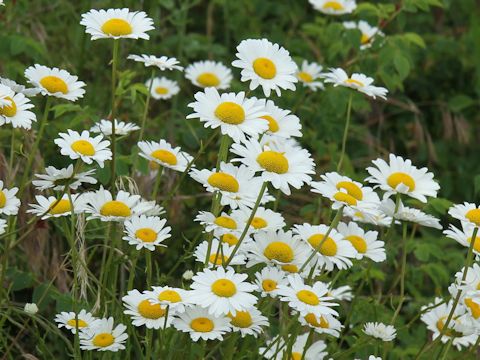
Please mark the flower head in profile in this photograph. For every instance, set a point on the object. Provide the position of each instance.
(267, 65)
(101, 335)
(357, 81)
(104, 127)
(466, 212)
(282, 124)
(163, 62)
(56, 207)
(15, 109)
(209, 73)
(268, 280)
(368, 32)
(220, 253)
(3, 226)
(58, 179)
(400, 176)
(405, 213)
(162, 88)
(55, 82)
(309, 75)
(324, 324)
(175, 298)
(366, 243)
(334, 7)
(18, 88)
(380, 331)
(9, 203)
(464, 236)
(117, 24)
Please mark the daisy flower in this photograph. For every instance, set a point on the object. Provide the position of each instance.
(162, 88)
(306, 299)
(175, 298)
(436, 318)
(333, 251)
(117, 24)
(365, 242)
(281, 164)
(238, 185)
(372, 215)
(209, 74)
(325, 324)
(164, 154)
(281, 123)
(83, 146)
(162, 62)
(102, 336)
(55, 82)
(218, 255)
(343, 191)
(334, 7)
(220, 225)
(57, 179)
(368, 32)
(309, 75)
(222, 291)
(268, 279)
(101, 205)
(104, 127)
(17, 88)
(235, 114)
(16, 112)
(472, 281)
(9, 203)
(409, 214)
(146, 232)
(464, 236)
(264, 219)
(280, 248)
(53, 207)
(314, 352)
(400, 176)
(3, 226)
(248, 322)
(267, 65)
(200, 324)
(359, 82)
(466, 212)
(341, 293)
(380, 331)
(71, 321)
(143, 312)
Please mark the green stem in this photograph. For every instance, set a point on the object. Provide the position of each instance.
(114, 112)
(345, 132)
(156, 185)
(133, 268)
(147, 104)
(402, 272)
(12, 155)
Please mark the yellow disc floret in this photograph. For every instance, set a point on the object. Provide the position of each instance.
(308, 297)
(150, 311)
(208, 79)
(9, 110)
(230, 113)
(272, 123)
(147, 235)
(473, 216)
(202, 324)
(170, 295)
(165, 156)
(226, 222)
(242, 319)
(401, 178)
(53, 84)
(273, 161)
(60, 207)
(224, 288)
(358, 243)
(279, 251)
(103, 340)
(328, 247)
(115, 208)
(224, 182)
(265, 68)
(83, 147)
(117, 27)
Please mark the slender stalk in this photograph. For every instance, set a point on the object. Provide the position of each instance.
(114, 111)
(147, 104)
(402, 272)
(131, 276)
(156, 185)
(247, 225)
(345, 132)
(12, 155)
(398, 199)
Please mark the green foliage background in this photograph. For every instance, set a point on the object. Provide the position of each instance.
(429, 61)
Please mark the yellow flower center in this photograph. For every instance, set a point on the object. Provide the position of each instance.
(146, 235)
(328, 247)
(77, 324)
(61, 207)
(160, 90)
(273, 161)
(83, 147)
(150, 311)
(473, 216)
(9, 110)
(265, 68)
(224, 182)
(208, 79)
(170, 296)
(224, 288)
(449, 332)
(117, 27)
(218, 259)
(401, 178)
(3, 199)
(351, 189)
(313, 320)
(259, 223)
(202, 324)
(358, 243)
(230, 113)
(279, 251)
(474, 307)
(272, 123)
(242, 319)
(230, 239)
(305, 77)
(226, 222)
(296, 355)
(334, 5)
(53, 84)
(291, 268)
(365, 39)
(354, 82)
(308, 297)
(103, 340)
(476, 245)
(165, 156)
(115, 208)
(345, 198)
(269, 285)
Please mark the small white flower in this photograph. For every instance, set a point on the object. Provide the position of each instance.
(309, 75)
(365, 242)
(405, 213)
(57, 179)
(368, 32)
(9, 203)
(188, 275)
(268, 280)
(466, 212)
(248, 322)
(31, 308)
(359, 82)
(334, 7)
(282, 124)
(162, 88)
(53, 207)
(104, 126)
(380, 331)
(143, 312)
(146, 232)
(209, 74)
(102, 336)
(72, 321)
(162, 62)
(220, 253)
(3, 226)
(17, 111)
(28, 92)
(175, 298)
(164, 154)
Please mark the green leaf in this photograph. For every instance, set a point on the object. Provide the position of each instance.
(402, 65)
(460, 102)
(415, 39)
